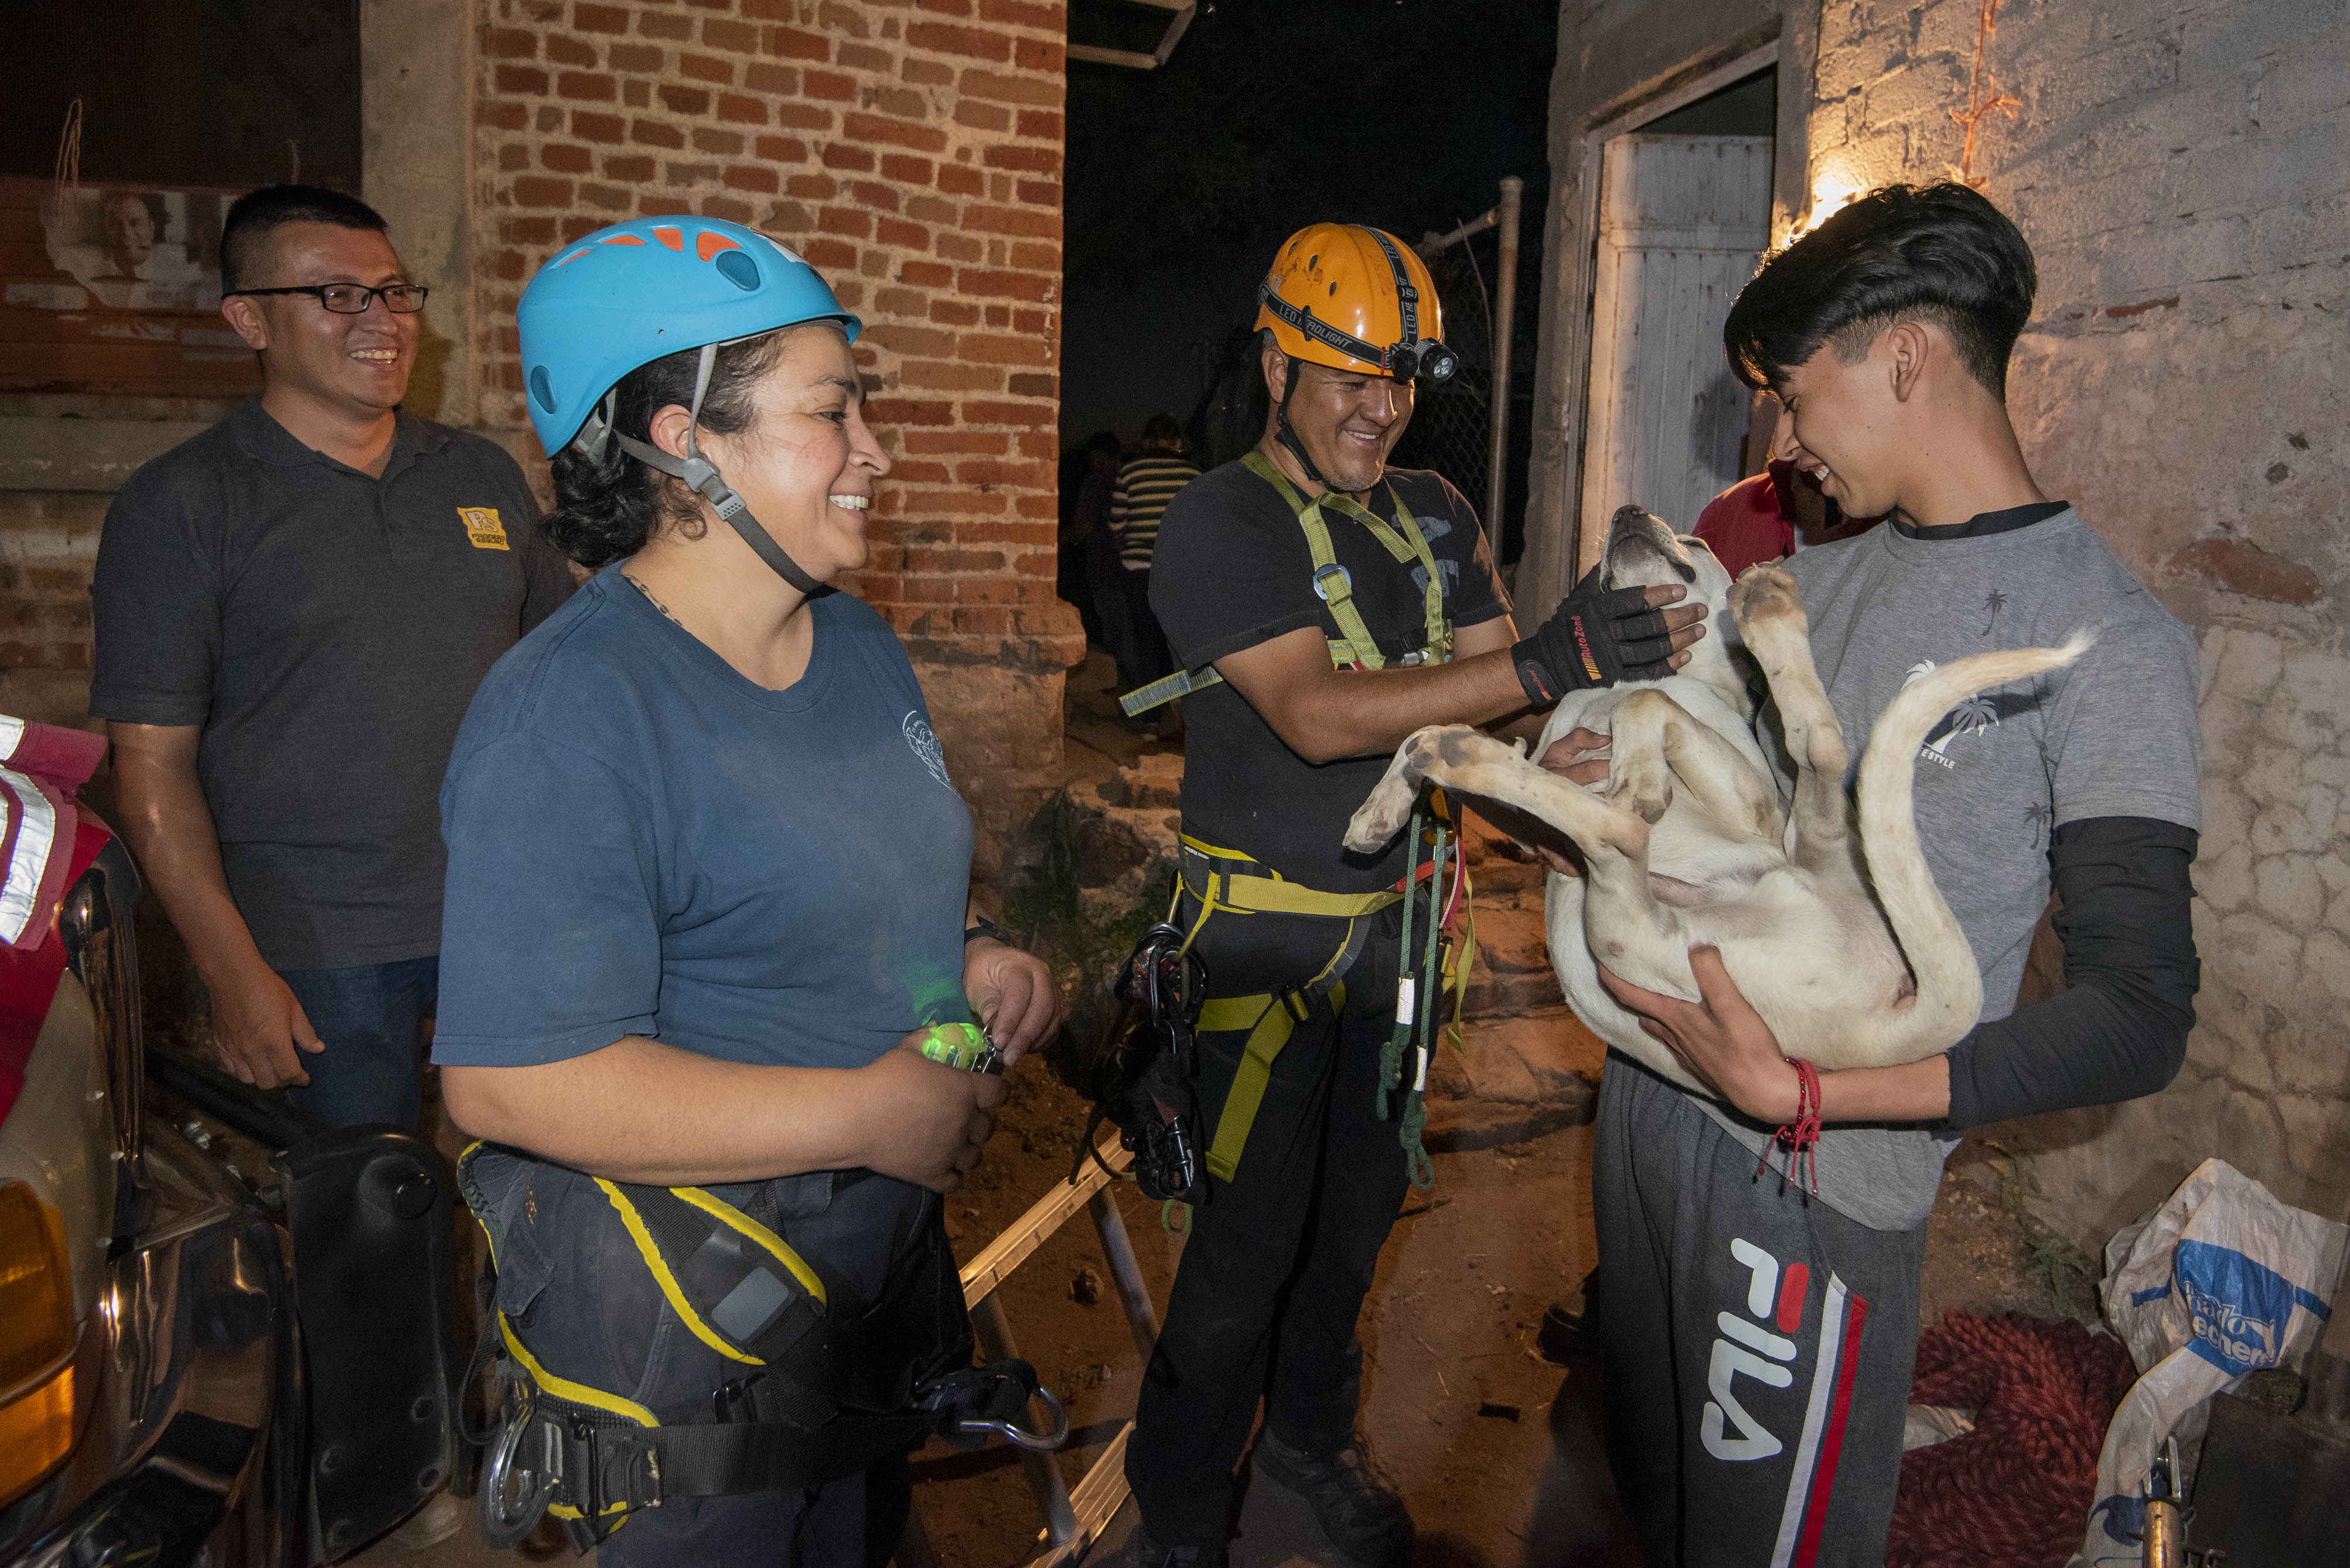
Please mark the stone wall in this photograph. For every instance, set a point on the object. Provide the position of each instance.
(913, 152)
(2183, 173)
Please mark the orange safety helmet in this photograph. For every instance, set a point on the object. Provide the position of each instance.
(1355, 298)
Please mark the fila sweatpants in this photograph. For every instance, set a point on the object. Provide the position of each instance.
(1758, 1345)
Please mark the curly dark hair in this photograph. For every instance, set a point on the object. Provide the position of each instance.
(607, 508)
(1902, 252)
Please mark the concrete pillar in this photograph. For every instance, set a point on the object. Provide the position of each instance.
(416, 77)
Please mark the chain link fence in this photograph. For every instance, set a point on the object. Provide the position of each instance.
(1451, 428)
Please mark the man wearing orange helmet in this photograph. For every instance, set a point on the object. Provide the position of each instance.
(1323, 606)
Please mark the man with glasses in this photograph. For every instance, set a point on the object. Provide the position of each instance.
(293, 610)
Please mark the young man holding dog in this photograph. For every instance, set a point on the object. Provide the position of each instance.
(1342, 605)
(1759, 1342)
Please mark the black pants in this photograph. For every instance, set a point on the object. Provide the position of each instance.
(1280, 1258)
(576, 1289)
(1153, 660)
(1757, 1344)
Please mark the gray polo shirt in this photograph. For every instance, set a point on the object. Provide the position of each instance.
(326, 630)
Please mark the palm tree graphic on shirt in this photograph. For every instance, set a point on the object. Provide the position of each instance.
(1972, 717)
(1993, 602)
(2037, 816)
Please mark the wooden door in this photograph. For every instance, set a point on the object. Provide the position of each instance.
(1683, 220)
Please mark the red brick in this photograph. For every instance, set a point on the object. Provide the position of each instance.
(1011, 90)
(520, 79)
(902, 302)
(588, 84)
(898, 132)
(654, 133)
(1039, 443)
(1034, 386)
(643, 57)
(902, 340)
(636, 169)
(1032, 160)
(852, 158)
(752, 177)
(502, 116)
(1043, 125)
(677, 175)
(991, 349)
(509, 265)
(782, 149)
(579, 227)
(863, 57)
(703, 68)
(538, 190)
(1040, 55)
(986, 473)
(925, 274)
(961, 248)
(736, 110)
(903, 412)
(873, 194)
(909, 473)
(564, 158)
(986, 220)
(1024, 14)
(987, 591)
(789, 43)
(949, 376)
(589, 126)
(514, 156)
(1028, 286)
(636, 92)
(981, 443)
(927, 73)
(732, 211)
(902, 234)
(684, 100)
(813, 187)
(610, 198)
(653, 25)
(804, 116)
(1032, 256)
(826, 253)
(735, 38)
(983, 116)
(958, 181)
(976, 43)
(837, 17)
(845, 221)
(759, 76)
(547, 118)
(954, 312)
(986, 622)
(904, 168)
(828, 85)
(709, 139)
(999, 316)
(510, 44)
(564, 50)
(933, 209)
(599, 18)
(1041, 193)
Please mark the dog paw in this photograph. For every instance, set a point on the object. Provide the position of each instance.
(1642, 786)
(1764, 593)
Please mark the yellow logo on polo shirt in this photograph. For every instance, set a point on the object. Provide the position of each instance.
(482, 527)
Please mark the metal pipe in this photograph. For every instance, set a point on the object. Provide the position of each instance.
(1435, 245)
(994, 1332)
(1505, 302)
(1125, 1272)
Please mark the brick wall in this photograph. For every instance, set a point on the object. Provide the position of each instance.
(911, 150)
(2183, 175)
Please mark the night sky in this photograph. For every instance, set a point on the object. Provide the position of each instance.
(1273, 114)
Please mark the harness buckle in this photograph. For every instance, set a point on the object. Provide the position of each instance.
(1295, 1002)
(1322, 586)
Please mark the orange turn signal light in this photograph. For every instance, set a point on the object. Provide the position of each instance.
(37, 1341)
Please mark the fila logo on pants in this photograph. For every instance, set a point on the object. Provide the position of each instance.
(1776, 1298)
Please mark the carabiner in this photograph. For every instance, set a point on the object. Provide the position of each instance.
(507, 1522)
(1019, 1437)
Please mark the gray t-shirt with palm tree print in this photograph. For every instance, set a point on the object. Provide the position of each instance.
(2115, 735)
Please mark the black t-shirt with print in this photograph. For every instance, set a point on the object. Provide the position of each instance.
(1233, 570)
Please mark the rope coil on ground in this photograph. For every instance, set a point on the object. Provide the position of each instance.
(2015, 1493)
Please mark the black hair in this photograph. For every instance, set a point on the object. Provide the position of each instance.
(1105, 440)
(256, 214)
(607, 507)
(1939, 252)
(1162, 428)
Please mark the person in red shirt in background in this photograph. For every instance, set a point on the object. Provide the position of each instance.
(1773, 514)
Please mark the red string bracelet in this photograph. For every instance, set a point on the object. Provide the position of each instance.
(1800, 1137)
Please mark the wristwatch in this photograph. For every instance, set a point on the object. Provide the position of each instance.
(983, 927)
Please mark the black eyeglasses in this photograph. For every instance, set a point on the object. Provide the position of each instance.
(352, 299)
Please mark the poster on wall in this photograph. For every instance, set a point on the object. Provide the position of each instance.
(115, 289)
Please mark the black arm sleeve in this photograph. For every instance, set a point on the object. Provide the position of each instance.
(2119, 1029)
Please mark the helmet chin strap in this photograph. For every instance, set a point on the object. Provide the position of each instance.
(700, 473)
(1286, 434)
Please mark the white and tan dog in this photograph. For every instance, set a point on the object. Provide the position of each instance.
(1692, 841)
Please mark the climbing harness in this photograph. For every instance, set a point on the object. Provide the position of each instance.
(1354, 648)
(819, 1388)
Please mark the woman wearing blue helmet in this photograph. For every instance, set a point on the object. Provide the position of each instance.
(708, 908)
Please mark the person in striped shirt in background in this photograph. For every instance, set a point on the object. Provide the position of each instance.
(1145, 486)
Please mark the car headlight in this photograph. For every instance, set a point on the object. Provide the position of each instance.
(37, 1341)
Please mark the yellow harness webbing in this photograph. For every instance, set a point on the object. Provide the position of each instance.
(1354, 645)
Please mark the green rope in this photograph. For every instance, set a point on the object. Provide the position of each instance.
(1391, 1053)
(1415, 1111)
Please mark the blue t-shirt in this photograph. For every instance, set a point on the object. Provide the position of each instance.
(643, 842)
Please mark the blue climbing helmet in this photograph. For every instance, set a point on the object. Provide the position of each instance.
(636, 292)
